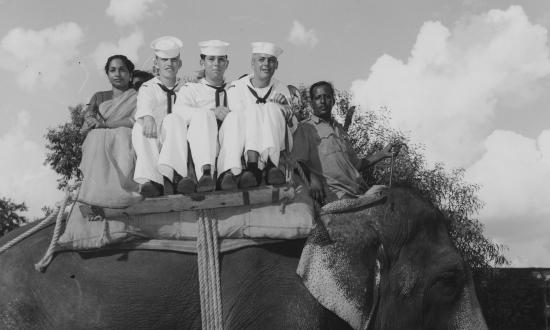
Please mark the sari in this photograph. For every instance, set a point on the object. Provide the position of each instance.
(108, 158)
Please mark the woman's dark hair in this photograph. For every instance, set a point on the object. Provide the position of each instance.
(143, 76)
(319, 84)
(129, 65)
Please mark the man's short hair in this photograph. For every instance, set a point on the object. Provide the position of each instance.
(319, 84)
(203, 57)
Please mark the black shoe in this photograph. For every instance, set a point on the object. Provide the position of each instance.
(248, 180)
(151, 189)
(227, 181)
(206, 183)
(186, 186)
(274, 176)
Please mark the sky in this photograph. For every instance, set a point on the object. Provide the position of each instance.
(468, 79)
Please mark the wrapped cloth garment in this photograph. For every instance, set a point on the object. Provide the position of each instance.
(108, 158)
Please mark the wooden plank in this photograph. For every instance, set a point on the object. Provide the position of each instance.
(212, 200)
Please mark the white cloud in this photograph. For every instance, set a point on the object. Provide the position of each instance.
(127, 46)
(130, 12)
(447, 92)
(302, 37)
(40, 56)
(447, 95)
(23, 176)
(514, 174)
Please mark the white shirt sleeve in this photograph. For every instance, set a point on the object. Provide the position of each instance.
(146, 101)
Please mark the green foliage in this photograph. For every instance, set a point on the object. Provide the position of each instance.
(302, 111)
(64, 147)
(370, 131)
(512, 298)
(9, 219)
(47, 210)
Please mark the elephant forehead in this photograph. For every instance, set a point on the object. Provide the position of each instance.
(411, 221)
(406, 276)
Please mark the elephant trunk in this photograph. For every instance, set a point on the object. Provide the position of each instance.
(468, 313)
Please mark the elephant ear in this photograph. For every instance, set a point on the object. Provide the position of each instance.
(339, 267)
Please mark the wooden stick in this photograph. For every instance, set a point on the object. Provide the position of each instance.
(212, 200)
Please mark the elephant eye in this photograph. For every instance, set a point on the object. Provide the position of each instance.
(448, 285)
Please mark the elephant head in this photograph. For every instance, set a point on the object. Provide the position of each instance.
(391, 266)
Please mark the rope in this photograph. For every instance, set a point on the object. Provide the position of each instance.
(38, 227)
(201, 256)
(212, 229)
(47, 258)
(209, 271)
(391, 168)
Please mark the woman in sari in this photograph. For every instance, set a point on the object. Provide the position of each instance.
(107, 155)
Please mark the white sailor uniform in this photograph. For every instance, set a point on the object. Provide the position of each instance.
(195, 101)
(156, 100)
(261, 125)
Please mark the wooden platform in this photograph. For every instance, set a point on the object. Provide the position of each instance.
(197, 201)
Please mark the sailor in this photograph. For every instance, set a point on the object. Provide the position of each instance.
(201, 104)
(160, 146)
(259, 107)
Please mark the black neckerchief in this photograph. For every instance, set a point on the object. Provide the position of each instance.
(260, 99)
(169, 93)
(219, 90)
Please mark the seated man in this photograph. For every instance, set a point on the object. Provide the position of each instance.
(321, 149)
(207, 96)
(159, 136)
(256, 124)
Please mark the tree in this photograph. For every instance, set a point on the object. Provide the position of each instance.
(64, 143)
(9, 219)
(370, 131)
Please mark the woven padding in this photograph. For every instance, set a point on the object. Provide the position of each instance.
(294, 220)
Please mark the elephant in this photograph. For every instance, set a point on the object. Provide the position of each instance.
(424, 283)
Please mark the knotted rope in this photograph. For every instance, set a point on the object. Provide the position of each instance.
(209, 270)
(57, 213)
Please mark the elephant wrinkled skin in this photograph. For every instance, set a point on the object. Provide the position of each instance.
(424, 282)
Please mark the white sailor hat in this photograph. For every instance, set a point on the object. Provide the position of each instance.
(166, 47)
(214, 47)
(266, 48)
